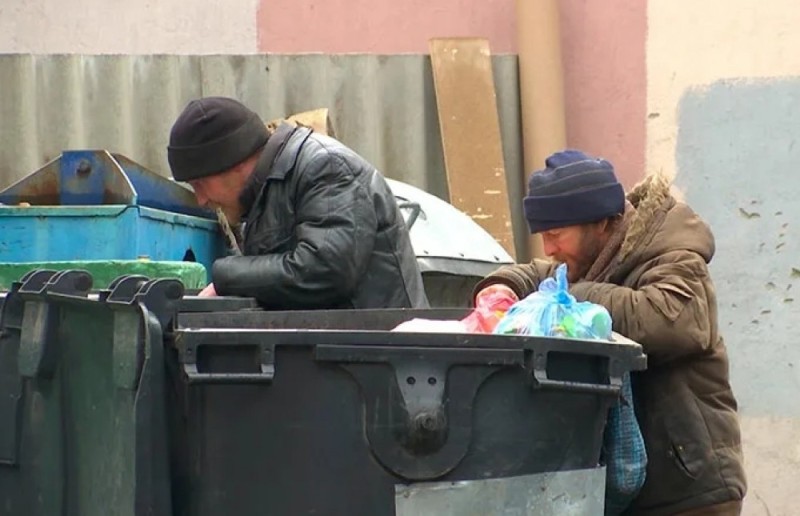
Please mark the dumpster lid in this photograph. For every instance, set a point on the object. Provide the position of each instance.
(444, 238)
(96, 177)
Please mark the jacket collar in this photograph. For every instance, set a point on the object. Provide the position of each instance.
(267, 167)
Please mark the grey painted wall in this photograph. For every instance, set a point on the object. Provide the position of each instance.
(738, 158)
(738, 162)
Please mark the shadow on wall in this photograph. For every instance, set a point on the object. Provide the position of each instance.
(738, 157)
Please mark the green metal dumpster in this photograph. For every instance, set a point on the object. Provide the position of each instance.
(192, 274)
(82, 417)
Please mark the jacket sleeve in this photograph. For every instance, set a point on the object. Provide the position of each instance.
(522, 278)
(335, 231)
(669, 312)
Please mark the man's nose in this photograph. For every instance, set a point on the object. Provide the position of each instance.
(202, 199)
(548, 246)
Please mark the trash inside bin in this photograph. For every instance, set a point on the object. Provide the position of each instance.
(94, 205)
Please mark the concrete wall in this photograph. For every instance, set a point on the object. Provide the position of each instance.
(706, 91)
(128, 27)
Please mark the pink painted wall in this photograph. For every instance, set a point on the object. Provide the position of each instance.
(381, 26)
(605, 78)
(603, 50)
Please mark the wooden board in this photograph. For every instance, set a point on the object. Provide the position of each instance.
(473, 151)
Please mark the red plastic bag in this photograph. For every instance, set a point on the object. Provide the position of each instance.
(491, 305)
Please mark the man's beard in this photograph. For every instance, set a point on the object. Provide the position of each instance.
(591, 247)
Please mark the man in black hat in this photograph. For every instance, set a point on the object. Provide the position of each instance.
(321, 227)
(645, 259)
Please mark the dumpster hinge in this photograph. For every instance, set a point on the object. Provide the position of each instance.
(38, 345)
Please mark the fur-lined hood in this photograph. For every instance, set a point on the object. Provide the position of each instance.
(662, 224)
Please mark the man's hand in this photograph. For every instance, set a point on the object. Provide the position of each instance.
(490, 294)
(209, 291)
(491, 305)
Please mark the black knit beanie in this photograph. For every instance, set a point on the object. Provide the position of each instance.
(211, 135)
(572, 189)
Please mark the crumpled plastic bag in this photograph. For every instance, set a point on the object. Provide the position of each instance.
(552, 311)
(419, 325)
(491, 306)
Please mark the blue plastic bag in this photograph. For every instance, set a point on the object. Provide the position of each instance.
(553, 312)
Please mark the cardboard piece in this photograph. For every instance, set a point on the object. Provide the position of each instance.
(470, 128)
(317, 119)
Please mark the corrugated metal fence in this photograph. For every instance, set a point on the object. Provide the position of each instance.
(384, 107)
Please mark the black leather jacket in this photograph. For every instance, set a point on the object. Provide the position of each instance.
(322, 231)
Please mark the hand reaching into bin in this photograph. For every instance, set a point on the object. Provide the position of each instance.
(209, 291)
(322, 229)
(494, 292)
(491, 304)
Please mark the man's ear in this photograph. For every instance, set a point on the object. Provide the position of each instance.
(608, 224)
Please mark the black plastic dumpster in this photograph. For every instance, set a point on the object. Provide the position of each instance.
(332, 420)
(140, 401)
